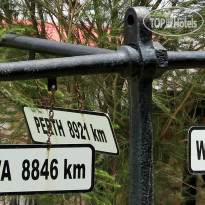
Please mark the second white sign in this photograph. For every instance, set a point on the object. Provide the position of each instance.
(73, 127)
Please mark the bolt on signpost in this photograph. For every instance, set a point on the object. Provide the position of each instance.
(140, 60)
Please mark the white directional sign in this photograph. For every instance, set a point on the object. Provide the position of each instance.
(35, 169)
(73, 127)
(196, 150)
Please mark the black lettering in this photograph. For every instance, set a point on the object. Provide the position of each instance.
(77, 134)
(81, 130)
(54, 126)
(26, 171)
(43, 125)
(101, 136)
(94, 133)
(85, 128)
(37, 123)
(67, 170)
(35, 169)
(79, 169)
(200, 150)
(60, 128)
(47, 123)
(54, 169)
(6, 171)
(71, 129)
(44, 169)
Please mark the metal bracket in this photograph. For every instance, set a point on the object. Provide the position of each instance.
(161, 59)
(137, 35)
(153, 55)
(161, 54)
(51, 82)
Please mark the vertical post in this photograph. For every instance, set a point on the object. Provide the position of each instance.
(140, 90)
(32, 55)
(141, 136)
(51, 81)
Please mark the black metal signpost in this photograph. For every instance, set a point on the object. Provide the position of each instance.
(140, 60)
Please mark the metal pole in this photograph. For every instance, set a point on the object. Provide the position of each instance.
(141, 140)
(120, 61)
(140, 92)
(186, 59)
(48, 46)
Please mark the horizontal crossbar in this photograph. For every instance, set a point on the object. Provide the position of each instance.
(126, 60)
(186, 59)
(120, 61)
(48, 46)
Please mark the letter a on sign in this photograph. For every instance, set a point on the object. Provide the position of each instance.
(73, 127)
(196, 150)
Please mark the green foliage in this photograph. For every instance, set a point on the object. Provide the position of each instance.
(174, 108)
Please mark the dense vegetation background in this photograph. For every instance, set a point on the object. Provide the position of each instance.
(178, 96)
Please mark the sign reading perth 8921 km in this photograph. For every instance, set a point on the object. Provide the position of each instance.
(73, 127)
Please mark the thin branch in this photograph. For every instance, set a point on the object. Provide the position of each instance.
(81, 8)
(115, 96)
(177, 111)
